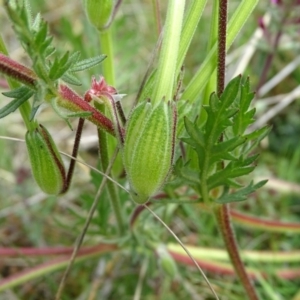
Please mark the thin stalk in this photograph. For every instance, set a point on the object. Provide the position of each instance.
(222, 212)
(112, 191)
(200, 79)
(74, 154)
(25, 108)
(108, 65)
(107, 48)
(84, 230)
(156, 10)
(109, 74)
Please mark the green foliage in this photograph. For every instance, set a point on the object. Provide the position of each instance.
(20, 95)
(47, 63)
(222, 145)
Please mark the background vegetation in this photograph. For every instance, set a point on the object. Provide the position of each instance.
(267, 50)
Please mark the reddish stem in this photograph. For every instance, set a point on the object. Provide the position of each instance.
(222, 212)
(73, 102)
(31, 251)
(74, 154)
(17, 71)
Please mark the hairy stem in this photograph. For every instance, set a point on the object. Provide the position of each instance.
(222, 212)
(25, 108)
(74, 154)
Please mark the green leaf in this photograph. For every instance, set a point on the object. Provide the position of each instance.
(241, 194)
(41, 34)
(220, 177)
(16, 93)
(61, 66)
(243, 118)
(71, 79)
(221, 150)
(14, 104)
(230, 93)
(36, 23)
(188, 175)
(87, 63)
(194, 133)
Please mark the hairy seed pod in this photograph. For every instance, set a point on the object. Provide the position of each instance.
(46, 163)
(148, 148)
(99, 12)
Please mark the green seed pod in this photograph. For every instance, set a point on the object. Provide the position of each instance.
(46, 163)
(148, 148)
(99, 12)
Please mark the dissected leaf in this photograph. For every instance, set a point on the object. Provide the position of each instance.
(195, 134)
(240, 194)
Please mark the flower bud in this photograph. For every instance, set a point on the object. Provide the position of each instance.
(148, 148)
(99, 12)
(46, 163)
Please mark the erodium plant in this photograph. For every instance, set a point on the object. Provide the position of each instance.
(164, 115)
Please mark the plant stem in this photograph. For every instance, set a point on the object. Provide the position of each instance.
(200, 79)
(221, 46)
(166, 69)
(113, 194)
(156, 10)
(74, 154)
(107, 48)
(109, 74)
(222, 212)
(25, 108)
(79, 241)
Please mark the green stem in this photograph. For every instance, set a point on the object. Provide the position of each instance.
(25, 108)
(107, 48)
(200, 79)
(166, 69)
(190, 23)
(109, 74)
(112, 191)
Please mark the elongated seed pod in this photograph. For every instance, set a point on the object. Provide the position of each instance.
(148, 148)
(46, 163)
